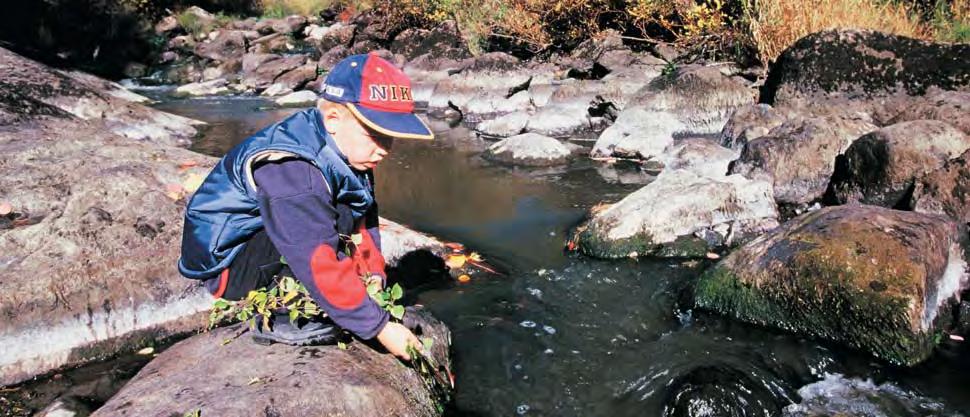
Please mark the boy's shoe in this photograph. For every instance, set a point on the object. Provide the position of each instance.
(301, 333)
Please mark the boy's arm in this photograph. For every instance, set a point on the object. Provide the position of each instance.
(299, 217)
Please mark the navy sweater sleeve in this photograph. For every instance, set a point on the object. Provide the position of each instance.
(300, 220)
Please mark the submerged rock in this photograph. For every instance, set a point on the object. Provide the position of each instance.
(881, 167)
(531, 149)
(868, 277)
(836, 395)
(208, 375)
(798, 157)
(680, 214)
(945, 191)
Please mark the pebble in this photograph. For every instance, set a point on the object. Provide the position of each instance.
(537, 293)
(146, 351)
(522, 409)
(549, 329)
(528, 324)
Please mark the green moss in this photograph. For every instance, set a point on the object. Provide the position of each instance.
(825, 288)
(590, 243)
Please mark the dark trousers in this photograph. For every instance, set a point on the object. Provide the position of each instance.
(253, 268)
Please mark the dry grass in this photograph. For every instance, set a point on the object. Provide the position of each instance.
(776, 24)
(282, 8)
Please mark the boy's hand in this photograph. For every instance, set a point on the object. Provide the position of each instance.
(396, 338)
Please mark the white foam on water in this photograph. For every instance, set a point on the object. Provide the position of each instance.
(838, 395)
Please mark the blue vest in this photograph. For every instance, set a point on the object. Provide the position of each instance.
(224, 213)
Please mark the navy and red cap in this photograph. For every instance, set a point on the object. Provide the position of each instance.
(378, 94)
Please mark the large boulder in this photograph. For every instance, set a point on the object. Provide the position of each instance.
(281, 380)
(881, 167)
(531, 149)
(680, 214)
(228, 44)
(486, 87)
(861, 66)
(87, 98)
(638, 133)
(798, 157)
(692, 101)
(868, 277)
(945, 191)
(335, 35)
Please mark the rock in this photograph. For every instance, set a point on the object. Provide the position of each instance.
(564, 120)
(276, 90)
(65, 407)
(297, 78)
(228, 44)
(167, 57)
(251, 61)
(531, 149)
(638, 133)
(298, 99)
(836, 395)
(135, 70)
(798, 157)
(945, 106)
(945, 191)
(444, 41)
(266, 73)
(867, 277)
(881, 167)
(863, 70)
(272, 43)
(207, 88)
(482, 89)
(289, 25)
(667, 52)
(695, 101)
(336, 35)
(703, 157)
(88, 98)
(333, 56)
(184, 43)
(167, 24)
(748, 123)
(281, 380)
(680, 214)
(248, 24)
(504, 126)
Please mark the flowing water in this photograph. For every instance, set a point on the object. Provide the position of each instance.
(565, 335)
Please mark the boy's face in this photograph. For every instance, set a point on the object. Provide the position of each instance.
(363, 147)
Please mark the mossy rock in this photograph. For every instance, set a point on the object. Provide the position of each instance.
(871, 278)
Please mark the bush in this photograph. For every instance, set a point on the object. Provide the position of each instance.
(283, 8)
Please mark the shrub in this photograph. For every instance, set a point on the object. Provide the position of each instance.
(283, 8)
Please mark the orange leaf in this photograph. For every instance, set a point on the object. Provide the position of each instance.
(188, 164)
(174, 191)
(456, 261)
(464, 278)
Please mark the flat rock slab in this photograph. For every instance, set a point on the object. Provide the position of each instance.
(680, 214)
(240, 378)
(868, 277)
(531, 149)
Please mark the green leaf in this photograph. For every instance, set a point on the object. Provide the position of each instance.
(357, 238)
(294, 314)
(283, 260)
(427, 342)
(221, 304)
(341, 345)
(397, 292)
(397, 312)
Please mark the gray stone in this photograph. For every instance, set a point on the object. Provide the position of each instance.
(945, 191)
(207, 88)
(531, 149)
(282, 380)
(700, 156)
(798, 157)
(680, 214)
(748, 123)
(228, 44)
(266, 73)
(881, 167)
(504, 126)
(298, 99)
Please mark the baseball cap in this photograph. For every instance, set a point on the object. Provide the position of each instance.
(377, 93)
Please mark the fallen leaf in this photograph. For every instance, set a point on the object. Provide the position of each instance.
(458, 247)
(456, 261)
(146, 351)
(712, 255)
(5, 209)
(192, 182)
(463, 278)
(188, 164)
(255, 380)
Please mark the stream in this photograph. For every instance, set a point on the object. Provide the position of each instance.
(567, 335)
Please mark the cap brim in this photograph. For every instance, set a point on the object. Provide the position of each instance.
(398, 125)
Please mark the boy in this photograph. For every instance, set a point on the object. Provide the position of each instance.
(292, 190)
